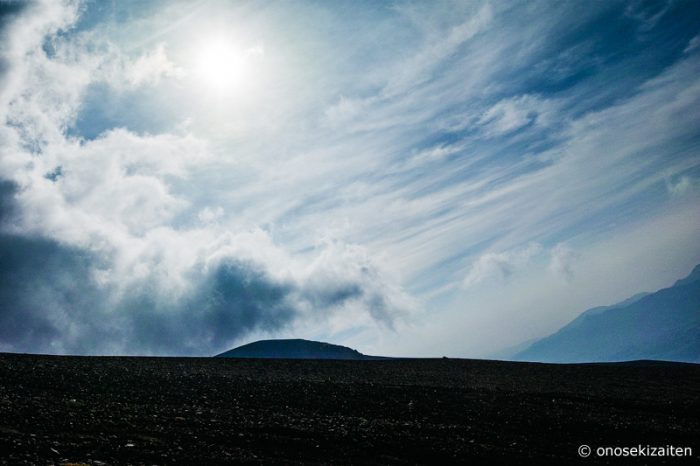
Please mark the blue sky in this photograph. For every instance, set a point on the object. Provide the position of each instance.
(407, 178)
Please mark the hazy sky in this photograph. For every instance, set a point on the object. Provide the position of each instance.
(406, 178)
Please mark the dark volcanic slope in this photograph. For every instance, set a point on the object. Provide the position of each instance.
(212, 411)
(293, 349)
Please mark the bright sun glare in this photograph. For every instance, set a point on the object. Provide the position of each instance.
(223, 67)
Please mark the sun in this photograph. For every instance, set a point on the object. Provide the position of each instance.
(223, 67)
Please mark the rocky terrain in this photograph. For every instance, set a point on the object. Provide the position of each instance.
(129, 410)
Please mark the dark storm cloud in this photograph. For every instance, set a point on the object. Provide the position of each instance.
(339, 290)
(9, 10)
(28, 265)
(7, 191)
(36, 273)
(327, 297)
(51, 302)
(233, 300)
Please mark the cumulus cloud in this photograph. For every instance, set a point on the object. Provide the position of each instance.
(94, 259)
(57, 297)
(31, 101)
(150, 67)
(51, 301)
(346, 275)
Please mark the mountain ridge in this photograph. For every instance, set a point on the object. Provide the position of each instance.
(663, 325)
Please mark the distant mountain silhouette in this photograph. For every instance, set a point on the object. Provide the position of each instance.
(664, 325)
(294, 349)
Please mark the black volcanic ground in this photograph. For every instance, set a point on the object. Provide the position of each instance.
(57, 410)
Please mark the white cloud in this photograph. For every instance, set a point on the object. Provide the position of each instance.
(514, 113)
(647, 14)
(562, 261)
(209, 214)
(341, 271)
(681, 185)
(30, 99)
(346, 110)
(500, 265)
(419, 68)
(693, 44)
(150, 67)
(118, 182)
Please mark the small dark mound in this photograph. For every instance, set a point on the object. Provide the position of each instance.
(293, 349)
